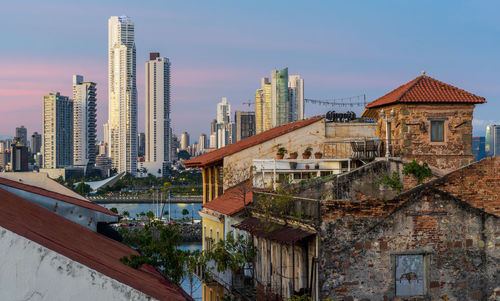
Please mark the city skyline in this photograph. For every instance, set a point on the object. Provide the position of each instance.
(334, 49)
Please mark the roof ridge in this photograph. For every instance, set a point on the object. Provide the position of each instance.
(416, 81)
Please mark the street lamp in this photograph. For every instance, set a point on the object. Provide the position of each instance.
(387, 121)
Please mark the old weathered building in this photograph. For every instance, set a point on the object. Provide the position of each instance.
(427, 120)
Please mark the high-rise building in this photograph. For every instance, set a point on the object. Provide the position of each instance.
(4, 159)
(279, 101)
(478, 148)
(158, 134)
(141, 144)
(36, 143)
(202, 143)
(245, 124)
(175, 145)
(223, 111)
(105, 129)
(184, 141)
(22, 134)
(122, 121)
(492, 140)
(296, 97)
(19, 156)
(57, 148)
(84, 122)
(224, 129)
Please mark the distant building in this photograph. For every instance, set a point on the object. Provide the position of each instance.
(4, 159)
(492, 140)
(38, 159)
(224, 129)
(22, 134)
(478, 148)
(202, 143)
(175, 145)
(36, 143)
(158, 134)
(84, 122)
(279, 101)
(184, 141)
(122, 94)
(104, 163)
(141, 144)
(105, 130)
(57, 147)
(245, 124)
(19, 156)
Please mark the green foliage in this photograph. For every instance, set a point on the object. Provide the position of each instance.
(126, 213)
(183, 154)
(393, 182)
(82, 188)
(419, 172)
(185, 211)
(277, 205)
(158, 245)
(281, 151)
(150, 214)
(307, 151)
(232, 253)
(114, 210)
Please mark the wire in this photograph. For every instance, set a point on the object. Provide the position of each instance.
(358, 100)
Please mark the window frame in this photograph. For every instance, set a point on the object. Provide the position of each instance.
(426, 270)
(444, 121)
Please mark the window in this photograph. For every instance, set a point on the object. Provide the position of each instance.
(437, 130)
(409, 275)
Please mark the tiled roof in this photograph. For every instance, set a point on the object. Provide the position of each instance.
(82, 245)
(219, 154)
(54, 195)
(276, 232)
(231, 201)
(425, 89)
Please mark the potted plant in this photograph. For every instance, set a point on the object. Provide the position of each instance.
(318, 155)
(294, 155)
(281, 152)
(307, 153)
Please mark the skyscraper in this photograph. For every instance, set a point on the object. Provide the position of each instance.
(184, 141)
(57, 149)
(478, 148)
(245, 124)
(22, 134)
(202, 143)
(279, 101)
(158, 138)
(84, 122)
(492, 143)
(19, 156)
(224, 128)
(122, 121)
(223, 111)
(36, 143)
(141, 144)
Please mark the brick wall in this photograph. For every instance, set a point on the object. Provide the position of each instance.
(357, 252)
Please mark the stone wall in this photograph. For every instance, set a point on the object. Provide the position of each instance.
(458, 241)
(411, 130)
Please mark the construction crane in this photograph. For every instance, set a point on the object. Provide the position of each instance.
(249, 103)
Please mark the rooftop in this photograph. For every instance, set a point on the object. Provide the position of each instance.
(425, 89)
(231, 201)
(218, 155)
(82, 245)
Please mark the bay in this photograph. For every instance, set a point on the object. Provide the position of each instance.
(175, 209)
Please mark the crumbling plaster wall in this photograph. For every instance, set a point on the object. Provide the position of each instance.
(29, 271)
(461, 243)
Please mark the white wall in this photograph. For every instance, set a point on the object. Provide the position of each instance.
(29, 271)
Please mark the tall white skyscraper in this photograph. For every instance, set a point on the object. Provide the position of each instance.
(296, 97)
(84, 122)
(223, 111)
(224, 127)
(122, 121)
(184, 141)
(158, 139)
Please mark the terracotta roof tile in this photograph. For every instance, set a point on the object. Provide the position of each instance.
(231, 201)
(82, 245)
(425, 89)
(273, 231)
(219, 154)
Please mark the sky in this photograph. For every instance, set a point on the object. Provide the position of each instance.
(223, 48)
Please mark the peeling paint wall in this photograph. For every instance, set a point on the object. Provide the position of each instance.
(29, 271)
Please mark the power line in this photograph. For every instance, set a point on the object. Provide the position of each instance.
(358, 101)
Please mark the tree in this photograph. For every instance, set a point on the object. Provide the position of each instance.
(114, 210)
(183, 154)
(185, 211)
(150, 214)
(82, 188)
(419, 172)
(126, 213)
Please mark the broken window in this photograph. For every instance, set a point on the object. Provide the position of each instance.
(437, 131)
(409, 275)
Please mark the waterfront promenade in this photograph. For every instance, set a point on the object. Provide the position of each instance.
(126, 199)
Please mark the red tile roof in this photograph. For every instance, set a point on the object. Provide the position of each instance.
(219, 154)
(425, 89)
(65, 198)
(82, 245)
(276, 232)
(231, 201)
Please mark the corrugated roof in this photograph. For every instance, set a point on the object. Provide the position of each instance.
(58, 196)
(82, 245)
(231, 201)
(425, 89)
(282, 234)
(219, 154)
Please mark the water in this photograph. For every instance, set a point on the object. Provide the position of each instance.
(175, 209)
(197, 284)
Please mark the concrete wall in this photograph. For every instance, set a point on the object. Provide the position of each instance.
(30, 271)
(411, 130)
(459, 242)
